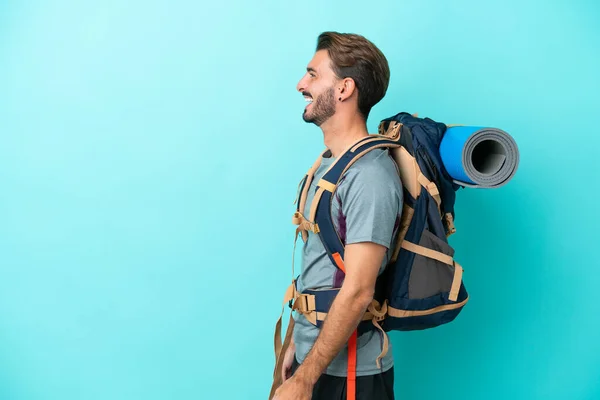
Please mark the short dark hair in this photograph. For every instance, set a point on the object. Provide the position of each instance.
(353, 56)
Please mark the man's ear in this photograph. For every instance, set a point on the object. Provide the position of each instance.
(346, 89)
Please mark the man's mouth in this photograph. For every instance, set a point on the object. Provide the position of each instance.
(309, 100)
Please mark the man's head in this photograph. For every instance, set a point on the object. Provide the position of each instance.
(345, 68)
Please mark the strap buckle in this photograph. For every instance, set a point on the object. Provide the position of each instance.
(303, 303)
(379, 312)
(304, 224)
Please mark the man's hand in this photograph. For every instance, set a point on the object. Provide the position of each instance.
(288, 360)
(294, 389)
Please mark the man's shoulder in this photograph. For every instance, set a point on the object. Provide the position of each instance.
(377, 167)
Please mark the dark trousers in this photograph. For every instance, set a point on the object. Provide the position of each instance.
(371, 387)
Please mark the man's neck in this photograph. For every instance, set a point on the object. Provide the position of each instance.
(339, 135)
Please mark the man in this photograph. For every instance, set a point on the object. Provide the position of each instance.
(346, 77)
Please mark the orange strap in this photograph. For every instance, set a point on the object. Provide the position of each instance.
(351, 392)
(339, 262)
(351, 379)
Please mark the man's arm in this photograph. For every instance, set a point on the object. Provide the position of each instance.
(362, 264)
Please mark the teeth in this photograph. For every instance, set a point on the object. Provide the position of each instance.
(308, 99)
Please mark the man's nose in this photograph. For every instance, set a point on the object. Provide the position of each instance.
(301, 86)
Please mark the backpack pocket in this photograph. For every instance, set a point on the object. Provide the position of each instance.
(428, 276)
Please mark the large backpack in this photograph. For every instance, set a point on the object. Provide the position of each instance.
(422, 285)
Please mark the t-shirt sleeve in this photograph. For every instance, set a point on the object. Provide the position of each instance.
(371, 204)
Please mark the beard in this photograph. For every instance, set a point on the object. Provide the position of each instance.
(322, 109)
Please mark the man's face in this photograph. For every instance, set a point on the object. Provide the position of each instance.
(317, 87)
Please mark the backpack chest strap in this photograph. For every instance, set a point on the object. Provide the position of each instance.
(330, 179)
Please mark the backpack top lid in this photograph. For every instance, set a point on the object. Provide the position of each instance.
(422, 140)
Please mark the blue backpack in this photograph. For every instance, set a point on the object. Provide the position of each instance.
(422, 285)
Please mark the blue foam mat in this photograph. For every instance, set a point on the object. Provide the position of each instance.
(477, 156)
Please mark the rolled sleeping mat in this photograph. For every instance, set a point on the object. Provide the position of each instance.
(479, 156)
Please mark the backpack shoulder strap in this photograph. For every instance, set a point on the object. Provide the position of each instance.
(320, 208)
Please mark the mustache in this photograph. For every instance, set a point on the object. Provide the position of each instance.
(307, 94)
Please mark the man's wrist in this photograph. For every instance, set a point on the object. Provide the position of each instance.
(306, 376)
(313, 366)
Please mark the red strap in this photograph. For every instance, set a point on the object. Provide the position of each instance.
(351, 393)
(339, 262)
(351, 390)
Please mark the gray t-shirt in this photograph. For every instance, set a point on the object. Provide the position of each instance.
(366, 208)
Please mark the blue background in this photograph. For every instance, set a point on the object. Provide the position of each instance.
(149, 157)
